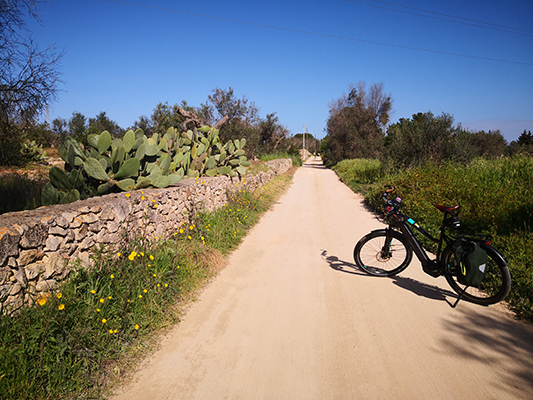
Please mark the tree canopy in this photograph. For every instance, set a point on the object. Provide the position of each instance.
(355, 124)
(29, 77)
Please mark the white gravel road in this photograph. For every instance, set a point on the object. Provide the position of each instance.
(291, 317)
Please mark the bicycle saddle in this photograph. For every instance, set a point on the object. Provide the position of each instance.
(446, 208)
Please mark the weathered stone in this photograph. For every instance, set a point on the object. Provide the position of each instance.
(61, 221)
(12, 262)
(20, 276)
(79, 234)
(87, 243)
(96, 227)
(5, 274)
(76, 222)
(4, 290)
(46, 285)
(15, 289)
(33, 270)
(69, 217)
(34, 237)
(108, 214)
(13, 303)
(53, 243)
(55, 265)
(57, 230)
(28, 256)
(89, 218)
(113, 226)
(8, 244)
(70, 236)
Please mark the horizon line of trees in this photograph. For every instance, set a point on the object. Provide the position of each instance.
(357, 128)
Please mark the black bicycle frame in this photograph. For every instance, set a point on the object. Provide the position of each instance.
(402, 222)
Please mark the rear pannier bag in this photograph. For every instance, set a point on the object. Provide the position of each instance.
(471, 263)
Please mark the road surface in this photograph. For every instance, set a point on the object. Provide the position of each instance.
(291, 317)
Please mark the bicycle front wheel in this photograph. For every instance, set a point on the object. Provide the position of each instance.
(378, 255)
(495, 285)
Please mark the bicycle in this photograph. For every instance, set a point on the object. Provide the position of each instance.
(389, 251)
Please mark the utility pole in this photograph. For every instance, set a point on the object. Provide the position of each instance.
(303, 143)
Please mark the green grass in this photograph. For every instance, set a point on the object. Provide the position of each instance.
(496, 198)
(77, 342)
(296, 158)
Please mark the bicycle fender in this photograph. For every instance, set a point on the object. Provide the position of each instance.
(494, 253)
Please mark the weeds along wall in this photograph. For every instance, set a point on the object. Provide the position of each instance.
(39, 247)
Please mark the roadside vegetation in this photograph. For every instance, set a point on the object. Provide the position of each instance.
(78, 342)
(496, 198)
(431, 160)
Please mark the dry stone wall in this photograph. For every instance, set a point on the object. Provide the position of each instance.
(38, 247)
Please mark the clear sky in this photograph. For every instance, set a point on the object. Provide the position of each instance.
(472, 59)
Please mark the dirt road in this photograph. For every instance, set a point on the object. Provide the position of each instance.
(292, 318)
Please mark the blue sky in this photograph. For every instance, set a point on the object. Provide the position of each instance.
(124, 59)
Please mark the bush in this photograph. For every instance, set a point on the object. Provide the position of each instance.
(18, 193)
(496, 198)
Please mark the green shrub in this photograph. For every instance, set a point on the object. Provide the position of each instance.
(496, 198)
(18, 193)
(359, 172)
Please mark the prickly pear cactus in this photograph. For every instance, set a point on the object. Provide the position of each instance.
(136, 161)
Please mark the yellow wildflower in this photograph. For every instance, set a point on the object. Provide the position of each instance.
(61, 307)
(136, 327)
(42, 301)
(97, 310)
(151, 257)
(109, 297)
(140, 296)
(111, 331)
(112, 276)
(102, 300)
(119, 254)
(128, 195)
(145, 291)
(132, 256)
(93, 291)
(59, 295)
(104, 321)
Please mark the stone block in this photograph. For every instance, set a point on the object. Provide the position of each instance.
(35, 236)
(9, 241)
(29, 256)
(53, 242)
(33, 270)
(46, 285)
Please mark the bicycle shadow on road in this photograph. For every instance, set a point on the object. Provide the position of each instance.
(419, 288)
(337, 264)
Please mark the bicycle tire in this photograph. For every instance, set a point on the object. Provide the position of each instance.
(370, 257)
(495, 285)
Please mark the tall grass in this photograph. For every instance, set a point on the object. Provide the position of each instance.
(496, 198)
(74, 343)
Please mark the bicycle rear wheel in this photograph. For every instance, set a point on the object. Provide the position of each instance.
(376, 255)
(495, 285)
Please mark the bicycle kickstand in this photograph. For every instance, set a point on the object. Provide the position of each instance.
(460, 296)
